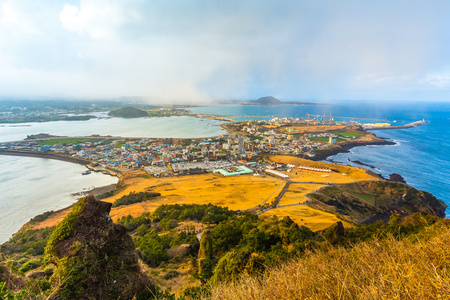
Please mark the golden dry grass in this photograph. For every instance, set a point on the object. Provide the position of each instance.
(309, 217)
(297, 192)
(238, 192)
(319, 128)
(177, 284)
(53, 220)
(380, 269)
(352, 173)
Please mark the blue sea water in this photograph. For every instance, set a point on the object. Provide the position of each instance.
(421, 154)
(30, 186)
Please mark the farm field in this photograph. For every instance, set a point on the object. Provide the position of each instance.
(237, 192)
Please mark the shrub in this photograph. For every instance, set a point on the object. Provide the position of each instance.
(135, 198)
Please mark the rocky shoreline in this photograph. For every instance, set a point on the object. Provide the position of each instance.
(343, 148)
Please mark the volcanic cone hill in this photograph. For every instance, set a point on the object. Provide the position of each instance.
(368, 201)
(95, 258)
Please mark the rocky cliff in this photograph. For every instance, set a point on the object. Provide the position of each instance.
(95, 258)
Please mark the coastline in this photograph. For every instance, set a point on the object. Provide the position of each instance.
(71, 159)
(344, 148)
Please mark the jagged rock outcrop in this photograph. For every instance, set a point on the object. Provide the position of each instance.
(205, 253)
(95, 258)
(335, 233)
(396, 178)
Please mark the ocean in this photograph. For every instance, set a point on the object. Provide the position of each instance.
(421, 154)
(31, 186)
(166, 127)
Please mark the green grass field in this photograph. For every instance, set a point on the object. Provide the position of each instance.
(349, 134)
(65, 141)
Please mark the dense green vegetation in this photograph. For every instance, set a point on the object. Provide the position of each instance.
(206, 213)
(27, 243)
(133, 223)
(135, 198)
(166, 112)
(128, 112)
(232, 243)
(105, 195)
(245, 243)
(41, 217)
(153, 246)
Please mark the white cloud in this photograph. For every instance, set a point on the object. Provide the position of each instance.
(98, 19)
(16, 21)
(440, 81)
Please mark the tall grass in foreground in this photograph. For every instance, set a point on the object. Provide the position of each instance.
(379, 269)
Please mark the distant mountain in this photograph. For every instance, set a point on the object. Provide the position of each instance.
(268, 100)
(128, 112)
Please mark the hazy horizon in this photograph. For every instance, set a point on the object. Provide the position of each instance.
(199, 52)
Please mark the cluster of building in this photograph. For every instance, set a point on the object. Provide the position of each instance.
(244, 143)
(266, 136)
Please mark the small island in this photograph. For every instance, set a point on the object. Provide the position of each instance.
(128, 112)
(270, 100)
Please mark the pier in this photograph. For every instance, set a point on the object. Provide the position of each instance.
(410, 125)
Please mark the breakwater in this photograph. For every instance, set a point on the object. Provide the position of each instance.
(410, 125)
(71, 159)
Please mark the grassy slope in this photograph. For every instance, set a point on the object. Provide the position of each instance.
(379, 269)
(358, 201)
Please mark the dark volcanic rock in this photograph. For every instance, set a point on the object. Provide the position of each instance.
(95, 258)
(396, 178)
(335, 233)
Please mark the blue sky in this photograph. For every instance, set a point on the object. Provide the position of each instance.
(197, 51)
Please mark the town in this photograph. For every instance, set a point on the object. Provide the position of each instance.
(245, 142)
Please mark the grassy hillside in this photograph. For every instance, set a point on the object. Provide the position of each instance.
(88, 253)
(416, 267)
(367, 201)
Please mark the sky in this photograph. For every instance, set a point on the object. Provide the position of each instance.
(196, 51)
